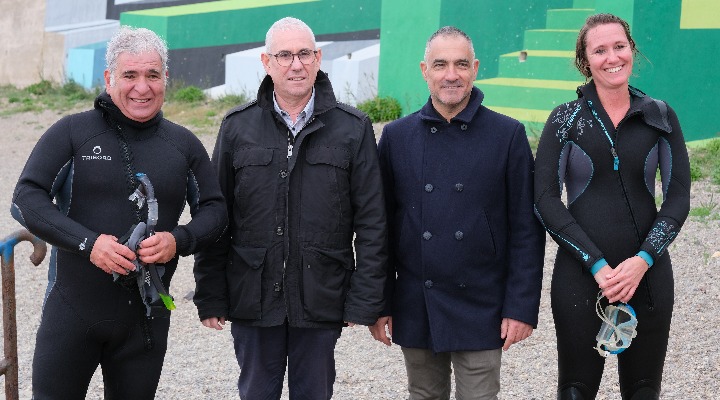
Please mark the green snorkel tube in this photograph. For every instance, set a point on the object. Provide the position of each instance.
(152, 290)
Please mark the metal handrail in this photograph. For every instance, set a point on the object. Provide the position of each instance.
(9, 365)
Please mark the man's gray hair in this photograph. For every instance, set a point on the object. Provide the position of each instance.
(286, 24)
(448, 31)
(134, 41)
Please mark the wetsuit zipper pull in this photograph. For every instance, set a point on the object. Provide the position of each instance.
(616, 160)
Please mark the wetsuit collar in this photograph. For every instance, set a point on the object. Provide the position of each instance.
(104, 103)
(653, 112)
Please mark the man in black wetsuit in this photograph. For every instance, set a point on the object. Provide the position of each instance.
(87, 163)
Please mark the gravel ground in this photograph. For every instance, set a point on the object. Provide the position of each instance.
(200, 363)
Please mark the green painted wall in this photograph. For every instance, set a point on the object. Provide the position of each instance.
(677, 37)
(496, 27)
(678, 64)
(242, 21)
(405, 26)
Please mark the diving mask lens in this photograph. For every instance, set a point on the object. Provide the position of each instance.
(618, 329)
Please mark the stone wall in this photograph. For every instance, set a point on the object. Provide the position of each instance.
(22, 43)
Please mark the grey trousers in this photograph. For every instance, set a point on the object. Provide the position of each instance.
(477, 374)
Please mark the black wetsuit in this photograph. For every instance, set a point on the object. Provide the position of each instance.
(88, 320)
(610, 175)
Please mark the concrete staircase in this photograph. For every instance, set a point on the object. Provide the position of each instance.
(533, 81)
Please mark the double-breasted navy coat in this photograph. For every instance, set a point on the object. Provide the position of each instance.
(465, 247)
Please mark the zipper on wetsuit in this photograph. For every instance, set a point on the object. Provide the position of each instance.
(651, 300)
(616, 165)
(616, 159)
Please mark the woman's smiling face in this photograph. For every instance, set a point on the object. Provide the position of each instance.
(610, 55)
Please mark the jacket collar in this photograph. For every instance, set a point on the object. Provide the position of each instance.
(324, 95)
(653, 112)
(428, 112)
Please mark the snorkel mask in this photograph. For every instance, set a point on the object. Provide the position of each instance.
(618, 329)
(147, 277)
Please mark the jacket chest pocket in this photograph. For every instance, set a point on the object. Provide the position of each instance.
(334, 162)
(326, 277)
(325, 188)
(253, 176)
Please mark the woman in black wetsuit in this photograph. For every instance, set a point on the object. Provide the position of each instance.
(606, 147)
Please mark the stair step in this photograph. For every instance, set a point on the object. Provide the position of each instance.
(524, 115)
(568, 18)
(550, 39)
(539, 64)
(537, 94)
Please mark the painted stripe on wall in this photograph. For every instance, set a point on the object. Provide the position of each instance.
(700, 14)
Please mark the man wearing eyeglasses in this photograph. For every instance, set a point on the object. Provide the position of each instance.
(301, 178)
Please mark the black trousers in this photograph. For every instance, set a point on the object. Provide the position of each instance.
(573, 295)
(263, 353)
(72, 341)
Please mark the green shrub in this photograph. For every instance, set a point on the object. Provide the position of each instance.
(713, 147)
(40, 88)
(715, 177)
(74, 91)
(189, 94)
(230, 100)
(705, 161)
(701, 212)
(695, 172)
(381, 109)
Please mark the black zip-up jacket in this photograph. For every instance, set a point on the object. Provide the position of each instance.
(78, 163)
(610, 175)
(289, 250)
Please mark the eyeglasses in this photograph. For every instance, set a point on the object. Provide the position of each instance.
(285, 58)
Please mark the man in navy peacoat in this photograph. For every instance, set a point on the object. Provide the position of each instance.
(466, 252)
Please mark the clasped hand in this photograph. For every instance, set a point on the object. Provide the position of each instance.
(111, 256)
(621, 282)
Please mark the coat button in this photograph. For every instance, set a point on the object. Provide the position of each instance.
(459, 187)
(428, 283)
(427, 235)
(429, 188)
(433, 129)
(463, 127)
(459, 235)
(279, 231)
(283, 174)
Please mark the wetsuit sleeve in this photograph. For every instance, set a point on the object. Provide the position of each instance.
(549, 208)
(364, 301)
(391, 209)
(211, 288)
(49, 170)
(675, 176)
(206, 202)
(526, 241)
